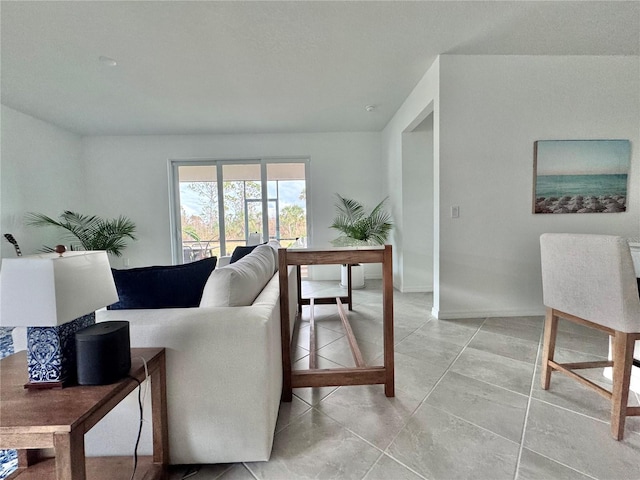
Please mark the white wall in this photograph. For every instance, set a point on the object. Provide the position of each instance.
(487, 112)
(129, 176)
(417, 207)
(421, 102)
(42, 171)
(492, 109)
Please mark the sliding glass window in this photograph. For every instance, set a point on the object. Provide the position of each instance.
(220, 204)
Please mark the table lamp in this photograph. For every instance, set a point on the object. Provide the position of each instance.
(54, 295)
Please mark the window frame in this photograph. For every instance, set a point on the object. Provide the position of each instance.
(175, 227)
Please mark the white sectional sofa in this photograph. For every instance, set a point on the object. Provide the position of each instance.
(224, 373)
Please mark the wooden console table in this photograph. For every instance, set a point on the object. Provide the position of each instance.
(31, 420)
(361, 374)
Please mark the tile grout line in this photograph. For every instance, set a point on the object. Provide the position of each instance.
(480, 427)
(606, 422)
(393, 459)
(564, 465)
(526, 414)
(500, 387)
(383, 451)
(422, 402)
(249, 470)
(372, 465)
(464, 347)
(535, 372)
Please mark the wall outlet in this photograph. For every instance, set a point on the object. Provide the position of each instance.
(455, 211)
(126, 262)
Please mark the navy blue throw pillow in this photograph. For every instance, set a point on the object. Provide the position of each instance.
(241, 251)
(173, 286)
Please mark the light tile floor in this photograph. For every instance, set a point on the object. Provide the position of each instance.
(468, 404)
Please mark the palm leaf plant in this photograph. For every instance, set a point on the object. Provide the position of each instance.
(358, 228)
(89, 232)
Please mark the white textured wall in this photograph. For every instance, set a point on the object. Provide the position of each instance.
(42, 171)
(492, 109)
(487, 112)
(421, 102)
(129, 176)
(417, 186)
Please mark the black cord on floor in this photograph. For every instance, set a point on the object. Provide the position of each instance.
(191, 471)
(135, 450)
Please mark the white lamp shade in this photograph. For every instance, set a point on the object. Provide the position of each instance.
(48, 290)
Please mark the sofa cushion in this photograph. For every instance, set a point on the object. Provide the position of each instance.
(173, 286)
(242, 251)
(275, 245)
(238, 284)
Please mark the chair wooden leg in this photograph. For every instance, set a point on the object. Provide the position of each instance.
(623, 344)
(549, 346)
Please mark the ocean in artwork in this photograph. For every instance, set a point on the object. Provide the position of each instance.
(598, 193)
(560, 185)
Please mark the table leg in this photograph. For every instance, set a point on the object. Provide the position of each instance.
(27, 458)
(159, 413)
(69, 448)
(387, 322)
(285, 334)
(349, 287)
(299, 285)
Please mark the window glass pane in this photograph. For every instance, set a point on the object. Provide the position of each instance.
(216, 217)
(242, 203)
(199, 212)
(287, 202)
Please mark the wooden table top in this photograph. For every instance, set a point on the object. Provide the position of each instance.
(59, 410)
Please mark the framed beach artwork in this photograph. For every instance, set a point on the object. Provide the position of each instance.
(580, 176)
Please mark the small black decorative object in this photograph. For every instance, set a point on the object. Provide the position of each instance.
(13, 241)
(103, 353)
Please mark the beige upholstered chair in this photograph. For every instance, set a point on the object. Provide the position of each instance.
(590, 280)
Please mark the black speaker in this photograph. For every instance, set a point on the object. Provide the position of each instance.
(103, 353)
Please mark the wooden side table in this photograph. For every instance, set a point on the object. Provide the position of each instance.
(362, 374)
(31, 420)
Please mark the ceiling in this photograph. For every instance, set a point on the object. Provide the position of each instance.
(266, 67)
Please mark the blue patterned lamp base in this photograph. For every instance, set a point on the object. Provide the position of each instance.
(51, 353)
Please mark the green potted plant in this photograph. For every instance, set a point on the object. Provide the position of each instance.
(89, 232)
(359, 229)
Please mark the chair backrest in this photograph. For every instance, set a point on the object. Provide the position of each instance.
(591, 277)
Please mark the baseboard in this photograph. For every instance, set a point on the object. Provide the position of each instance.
(417, 289)
(447, 315)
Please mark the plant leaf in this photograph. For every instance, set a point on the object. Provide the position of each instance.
(89, 232)
(351, 220)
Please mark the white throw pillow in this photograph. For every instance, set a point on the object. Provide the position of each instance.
(239, 283)
(275, 245)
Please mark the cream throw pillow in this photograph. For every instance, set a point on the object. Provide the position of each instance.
(275, 245)
(239, 283)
